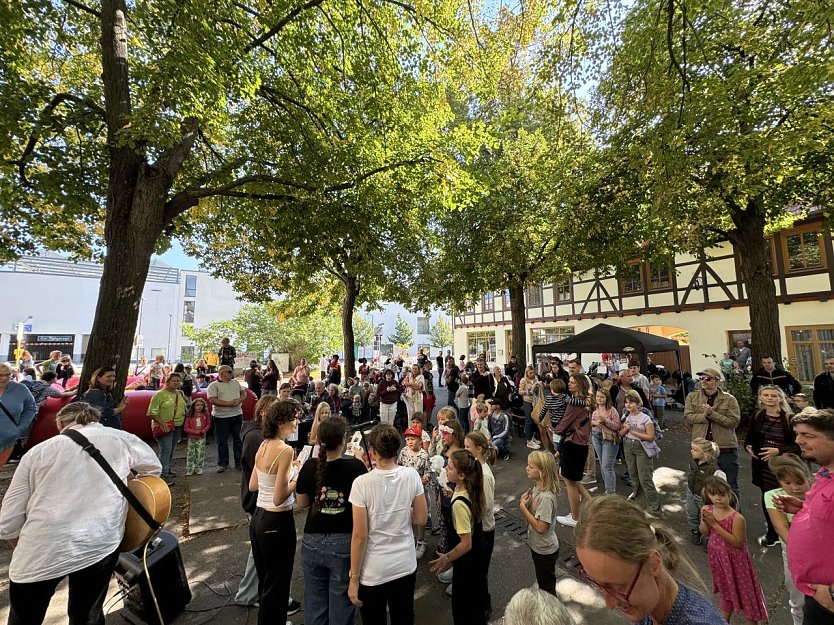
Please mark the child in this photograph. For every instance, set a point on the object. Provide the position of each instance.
(443, 415)
(465, 540)
(481, 422)
(800, 400)
(499, 428)
(418, 420)
(197, 423)
(640, 449)
(538, 505)
(702, 465)
(463, 402)
(795, 480)
(478, 445)
(322, 413)
(413, 455)
(356, 408)
(554, 403)
(657, 393)
(734, 577)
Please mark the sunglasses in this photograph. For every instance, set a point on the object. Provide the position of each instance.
(622, 598)
(705, 378)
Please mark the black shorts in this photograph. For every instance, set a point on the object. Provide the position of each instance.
(572, 460)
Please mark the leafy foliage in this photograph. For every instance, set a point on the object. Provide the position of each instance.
(403, 335)
(363, 331)
(441, 334)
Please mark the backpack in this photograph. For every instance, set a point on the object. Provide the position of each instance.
(38, 390)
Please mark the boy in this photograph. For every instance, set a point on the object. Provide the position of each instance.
(418, 420)
(657, 393)
(413, 455)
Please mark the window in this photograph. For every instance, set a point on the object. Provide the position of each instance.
(542, 336)
(534, 295)
(802, 250)
(659, 278)
(808, 347)
(738, 335)
(507, 299)
(188, 311)
(191, 286)
(188, 353)
(422, 325)
(488, 302)
(631, 279)
(562, 291)
(478, 343)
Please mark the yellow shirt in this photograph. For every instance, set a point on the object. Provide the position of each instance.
(461, 515)
(211, 359)
(168, 405)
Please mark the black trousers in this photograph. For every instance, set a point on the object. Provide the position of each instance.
(87, 591)
(545, 566)
(273, 549)
(397, 595)
(815, 614)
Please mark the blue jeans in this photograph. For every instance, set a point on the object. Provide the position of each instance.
(223, 427)
(325, 559)
(247, 592)
(607, 453)
(728, 462)
(502, 445)
(166, 452)
(693, 511)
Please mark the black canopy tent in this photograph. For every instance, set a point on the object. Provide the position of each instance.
(607, 338)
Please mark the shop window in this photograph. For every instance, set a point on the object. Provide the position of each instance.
(478, 343)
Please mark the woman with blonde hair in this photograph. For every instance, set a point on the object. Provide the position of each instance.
(531, 390)
(636, 562)
(415, 385)
(322, 412)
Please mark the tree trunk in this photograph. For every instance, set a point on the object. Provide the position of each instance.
(351, 291)
(519, 327)
(757, 277)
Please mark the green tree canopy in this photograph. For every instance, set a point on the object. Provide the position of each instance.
(403, 335)
(441, 334)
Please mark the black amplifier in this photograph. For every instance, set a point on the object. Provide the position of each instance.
(167, 580)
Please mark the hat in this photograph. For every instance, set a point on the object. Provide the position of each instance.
(711, 373)
(187, 366)
(414, 431)
(493, 402)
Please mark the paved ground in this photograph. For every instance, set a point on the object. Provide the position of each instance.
(214, 543)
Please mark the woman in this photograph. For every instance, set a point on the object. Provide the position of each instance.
(388, 391)
(483, 384)
(64, 371)
(769, 435)
(605, 429)
(503, 388)
(142, 368)
(168, 406)
(100, 395)
(272, 528)
(270, 379)
(530, 390)
(556, 371)
(639, 567)
(414, 384)
(324, 486)
(575, 430)
(383, 557)
(323, 413)
(17, 411)
(26, 361)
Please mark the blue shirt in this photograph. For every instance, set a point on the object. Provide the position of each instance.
(18, 400)
(690, 608)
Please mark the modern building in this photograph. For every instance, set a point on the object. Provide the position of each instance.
(384, 319)
(698, 300)
(56, 298)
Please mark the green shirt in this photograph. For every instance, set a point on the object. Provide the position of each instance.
(168, 405)
(770, 504)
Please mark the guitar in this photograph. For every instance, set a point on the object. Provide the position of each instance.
(155, 496)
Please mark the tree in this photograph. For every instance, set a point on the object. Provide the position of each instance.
(720, 113)
(119, 118)
(207, 339)
(363, 331)
(441, 334)
(403, 335)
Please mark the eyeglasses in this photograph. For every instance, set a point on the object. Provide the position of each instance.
(705, 378)
(623, 598)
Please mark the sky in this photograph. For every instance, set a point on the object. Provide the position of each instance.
(176, 258)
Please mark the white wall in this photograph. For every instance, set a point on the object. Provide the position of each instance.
(388, 318)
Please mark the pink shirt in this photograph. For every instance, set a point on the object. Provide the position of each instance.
(810, 556)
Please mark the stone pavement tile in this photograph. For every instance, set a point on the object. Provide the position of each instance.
(215, 500)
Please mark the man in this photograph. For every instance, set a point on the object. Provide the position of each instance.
(226, 397)
(322, 396)
(810, 548)
(574, 366)
(712, 414)
(440, 368)
(226, 354)
(452, 378)
(421, 357)
(60, 497)
(624, 382)
(741, 354)
(511, 369)
(334, 372)
(253, 376)
(769, 374)
(824, 386)
(51, 364)
(639, 379)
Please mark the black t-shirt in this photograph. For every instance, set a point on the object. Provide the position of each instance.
(334, 515)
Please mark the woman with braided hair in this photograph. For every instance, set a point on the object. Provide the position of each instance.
(324, 486)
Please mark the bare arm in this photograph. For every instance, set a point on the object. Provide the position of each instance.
(358, 543)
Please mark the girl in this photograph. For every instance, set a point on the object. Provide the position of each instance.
(452, 437)
(322, 412)
(481, 421)
(462, 402)
(769, 435)
(465, 540)
(640, 448)
(734, 577)
(443, 416)
(478, 445)
(414, 385)
(538, 505)
(704, 463)
(605, 436)
(575, 429)
(530, 390)
(413, 455)
(794, 480)
(272, 527)
(554, 407)
(197, 424)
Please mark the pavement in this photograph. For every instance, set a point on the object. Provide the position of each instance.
(214, 542)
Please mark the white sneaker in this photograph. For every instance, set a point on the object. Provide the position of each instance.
(631, 497)
(449, 590)
(199, 471)
(189, 472)
(533, 444)
(446, 576)
(566, 520)
(589, 479)
(421, 548)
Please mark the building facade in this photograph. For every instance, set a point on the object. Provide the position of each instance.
(384, 319)
(698, 300)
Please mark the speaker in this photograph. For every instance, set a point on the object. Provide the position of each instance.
(167, 578)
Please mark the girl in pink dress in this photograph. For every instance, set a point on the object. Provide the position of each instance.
(733, 576)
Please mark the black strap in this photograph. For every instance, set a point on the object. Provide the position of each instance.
(8, 414)
(94, 452)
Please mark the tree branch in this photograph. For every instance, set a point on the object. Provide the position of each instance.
(83, 7)
(172, 159)
(281, 24)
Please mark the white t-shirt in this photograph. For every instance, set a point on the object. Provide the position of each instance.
(488, 520)
(387, 494)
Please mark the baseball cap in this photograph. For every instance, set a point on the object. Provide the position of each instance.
(711, 373)
(414, 431)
